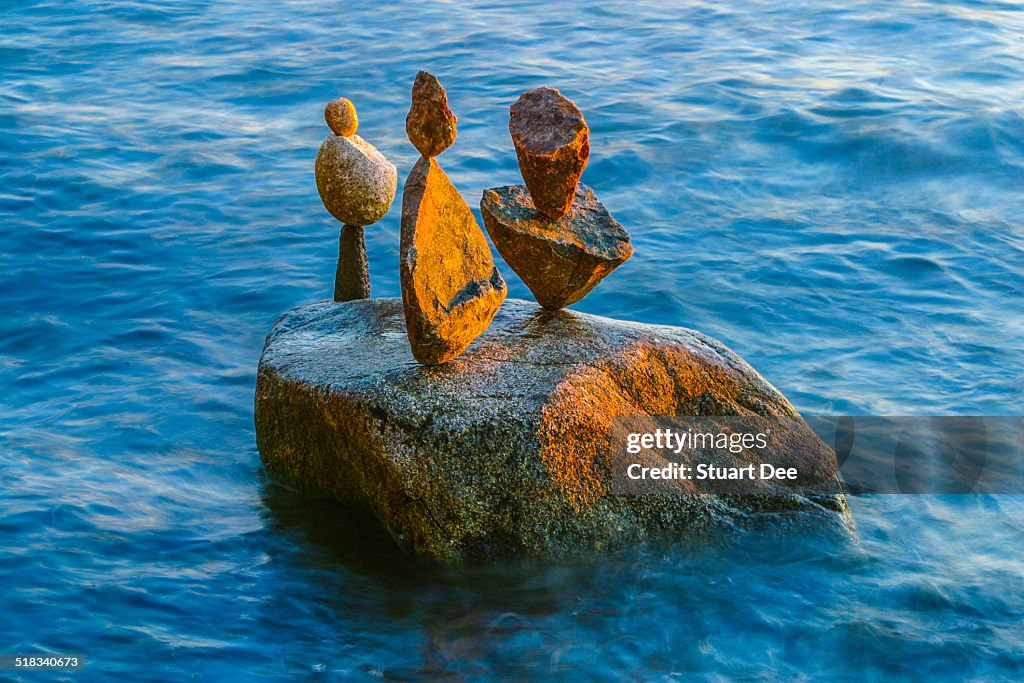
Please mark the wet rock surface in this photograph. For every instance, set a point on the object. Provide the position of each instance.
(450, 287)
(498, 453)
(552, 142)
(559, 260)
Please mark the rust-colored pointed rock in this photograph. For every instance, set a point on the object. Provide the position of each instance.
(450, 287)
(553, 144)
(559, 260)
(430, 124)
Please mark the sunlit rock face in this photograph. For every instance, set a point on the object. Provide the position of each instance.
(430, 124)
(552, 142)
(559, 260)
(500, 452)
(450, 286)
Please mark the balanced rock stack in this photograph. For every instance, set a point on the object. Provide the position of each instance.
(451, 289)
(357, 185)
(553, 232)
(510, 450)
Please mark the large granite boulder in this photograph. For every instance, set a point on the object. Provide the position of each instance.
(499, 453)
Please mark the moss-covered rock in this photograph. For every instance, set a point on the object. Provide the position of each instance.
(497, 453)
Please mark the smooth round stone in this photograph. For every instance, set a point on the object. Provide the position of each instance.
(356, 183)
(340, 115)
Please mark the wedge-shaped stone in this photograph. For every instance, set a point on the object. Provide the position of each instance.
(559, 260)
(450, 287)
(552, 142)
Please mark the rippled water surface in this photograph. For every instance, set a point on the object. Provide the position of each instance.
(832, 189)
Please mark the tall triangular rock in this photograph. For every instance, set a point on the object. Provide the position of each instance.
(450, 286)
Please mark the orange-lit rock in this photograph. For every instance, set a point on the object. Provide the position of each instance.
(562, 259)
(430, 124)
(340, 115)
(552, 142)
(450, 286)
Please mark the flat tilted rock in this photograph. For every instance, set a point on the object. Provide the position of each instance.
(498, 452)
(561, 259)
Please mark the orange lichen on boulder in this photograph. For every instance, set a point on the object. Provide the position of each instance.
(579, 418)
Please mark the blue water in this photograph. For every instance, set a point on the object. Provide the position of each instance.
(831, 188)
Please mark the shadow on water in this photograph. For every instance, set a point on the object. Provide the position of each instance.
(348, 535)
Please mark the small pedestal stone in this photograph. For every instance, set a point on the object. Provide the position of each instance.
(352, 279)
